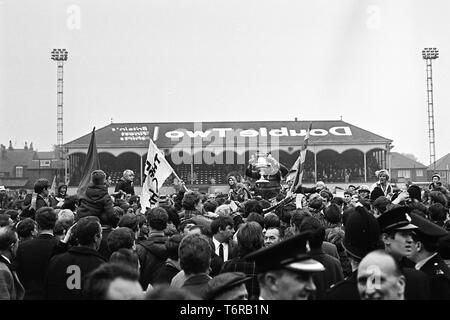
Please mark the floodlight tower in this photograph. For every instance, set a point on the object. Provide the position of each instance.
(60, 55)
(430, 54)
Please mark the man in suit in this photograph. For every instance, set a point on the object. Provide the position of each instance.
(222, 230)
(427, 258)
(33, 256)
(285, 270)
(380, 277)
(10, 286)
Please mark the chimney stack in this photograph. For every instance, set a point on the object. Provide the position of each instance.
(10, 145)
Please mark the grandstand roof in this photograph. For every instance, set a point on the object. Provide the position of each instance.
(171, 134)
(399, 161)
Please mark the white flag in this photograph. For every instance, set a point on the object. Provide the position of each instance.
(156, 171)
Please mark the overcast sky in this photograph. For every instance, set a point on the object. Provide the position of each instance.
(233, 60)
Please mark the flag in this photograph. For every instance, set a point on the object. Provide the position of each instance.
(92, 163)
(53, 187)
(296, 173)
(156, 171)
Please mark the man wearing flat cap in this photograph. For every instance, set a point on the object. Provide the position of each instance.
(427, 258)
(285, 269)
(228, 286)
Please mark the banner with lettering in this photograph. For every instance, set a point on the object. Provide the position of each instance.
(156, 171)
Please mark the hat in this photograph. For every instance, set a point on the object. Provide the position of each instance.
(326, 194)
(436, 175)
(2, 188)
(224, 282)
(362, 232)
(288, 254)
(396, 218)
(364, 188)
(427, 229)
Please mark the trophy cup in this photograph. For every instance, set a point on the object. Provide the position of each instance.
(265, 164)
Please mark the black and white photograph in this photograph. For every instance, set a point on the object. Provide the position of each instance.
(214, 151)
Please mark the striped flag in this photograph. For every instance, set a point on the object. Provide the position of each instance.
(296, 173)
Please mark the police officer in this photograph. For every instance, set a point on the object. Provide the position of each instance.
(285, 269)
(427, 258)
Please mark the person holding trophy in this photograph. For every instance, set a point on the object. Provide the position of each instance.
(268, 171)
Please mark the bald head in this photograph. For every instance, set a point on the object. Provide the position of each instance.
(380, 277)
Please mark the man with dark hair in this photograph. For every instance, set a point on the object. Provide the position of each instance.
(130, 221)
(172, 265)
(273, 235)
(195, 260)
(380, 206)
(252, 205)
(26, 229)
(437, 214)
(222, 230)
(126, 256)
(271, 220)
(333, 270)
(380, 277)
(96, 201)
(192, 204)
(250, 239)
(66, 271)
(34, 256)
(113, 281)
(119, 238)
(427, 259)
(10, 286)
(152, 252)
(37, 200)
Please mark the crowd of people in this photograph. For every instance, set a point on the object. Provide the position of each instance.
(250, 243)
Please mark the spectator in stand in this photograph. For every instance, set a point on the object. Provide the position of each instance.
(125, 184)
